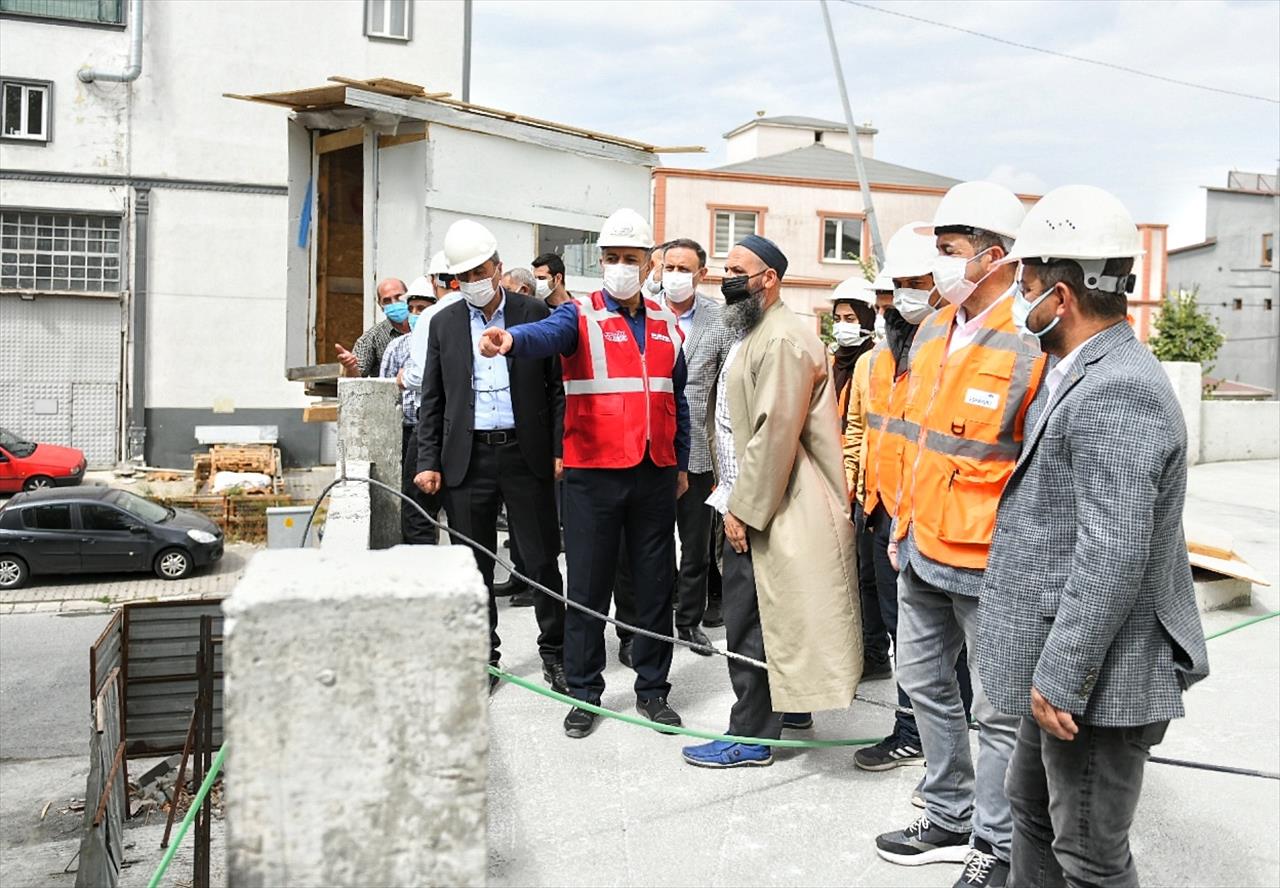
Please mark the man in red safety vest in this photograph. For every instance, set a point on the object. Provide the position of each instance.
(626, 455)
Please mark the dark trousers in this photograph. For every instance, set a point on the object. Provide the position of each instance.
(877, 529)
(416, 530)
(693, 522)
(875, 633)
(498, 474)
(600, 507)
(752, 714)
(1073, 803)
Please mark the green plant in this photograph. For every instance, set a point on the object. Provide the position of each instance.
(1185, 332)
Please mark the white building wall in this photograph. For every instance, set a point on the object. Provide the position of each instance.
(763, 140)
(217, 269)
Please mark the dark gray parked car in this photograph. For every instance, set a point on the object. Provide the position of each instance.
(100, 530)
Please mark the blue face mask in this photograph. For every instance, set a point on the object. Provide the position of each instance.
(396, 312)
(1022, 309)
(413, 321)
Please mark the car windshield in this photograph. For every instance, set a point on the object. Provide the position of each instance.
(136, 505)
(15, 445)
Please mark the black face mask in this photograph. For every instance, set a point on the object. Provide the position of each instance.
(735, 289)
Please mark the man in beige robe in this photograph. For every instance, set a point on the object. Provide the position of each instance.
(789, 576)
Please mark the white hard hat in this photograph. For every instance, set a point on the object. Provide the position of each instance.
(909, 253)
(439, 264)
(626, 228)
(984, 205)
(856, 289)
(468, 244)
(883, 283)
(1077, 222)
(421, 286)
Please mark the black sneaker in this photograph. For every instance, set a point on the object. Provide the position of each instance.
(713, 619)
(508, 587)
(553, 675)
(579, 723)
(656, 710)
(624, 653)
(921, 843)
(797, 721)
(698, 637)
(982, 868)
(887, 754)
(523, 598)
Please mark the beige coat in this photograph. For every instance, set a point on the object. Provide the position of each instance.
(790, 492)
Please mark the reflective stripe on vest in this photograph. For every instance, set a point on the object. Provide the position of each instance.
(888, 433)
(964, 420)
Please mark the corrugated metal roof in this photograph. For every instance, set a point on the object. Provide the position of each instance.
(803, 122)
(820, 162)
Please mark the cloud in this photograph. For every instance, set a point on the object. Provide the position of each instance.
(685, 73)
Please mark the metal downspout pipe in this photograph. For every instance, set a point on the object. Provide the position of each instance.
(131, 73)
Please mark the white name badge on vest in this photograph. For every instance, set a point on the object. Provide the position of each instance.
(660, 337)
(616, 336)
(979, 398)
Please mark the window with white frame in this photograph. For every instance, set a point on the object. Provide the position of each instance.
(577, 248)
(102, 12)
(24, 110)
(76, 252)
(390, 19)
(731, 227)
(841, 240)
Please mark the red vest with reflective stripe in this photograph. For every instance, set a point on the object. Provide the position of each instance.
(970, 408)
(882, 467)
(618, 401)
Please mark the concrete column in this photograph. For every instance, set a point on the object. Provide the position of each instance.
(356, 718)
(1185, 377)
(347, 523)
(370, 427)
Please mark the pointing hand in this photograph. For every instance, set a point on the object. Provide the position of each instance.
(495, 341)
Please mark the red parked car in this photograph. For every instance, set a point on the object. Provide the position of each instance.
(25, 465)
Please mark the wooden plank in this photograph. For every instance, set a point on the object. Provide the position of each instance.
(402, 139)
(346, 138)
(680, 149)
(1212, 551)
(546, 134)
(313, 371)
(391, 87)
(320, 413)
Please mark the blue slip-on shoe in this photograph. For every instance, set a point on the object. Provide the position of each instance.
(722, 754)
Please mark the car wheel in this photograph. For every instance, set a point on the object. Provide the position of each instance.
(37, 482)
(173, 564)
(13, 572)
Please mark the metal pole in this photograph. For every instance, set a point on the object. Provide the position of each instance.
(466, 50)
(877, 248)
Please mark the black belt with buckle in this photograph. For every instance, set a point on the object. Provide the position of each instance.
(496, 437)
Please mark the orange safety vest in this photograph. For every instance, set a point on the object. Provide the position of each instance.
(969, 408)
(887, 433)
(618, 401)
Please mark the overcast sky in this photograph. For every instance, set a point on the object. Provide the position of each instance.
(679, 73)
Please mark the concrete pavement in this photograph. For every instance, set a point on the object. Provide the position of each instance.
(620, 807)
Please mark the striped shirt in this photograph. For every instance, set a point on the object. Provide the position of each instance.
(393, 359)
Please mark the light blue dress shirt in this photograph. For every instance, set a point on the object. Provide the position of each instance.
(490, 377)
(418, 345)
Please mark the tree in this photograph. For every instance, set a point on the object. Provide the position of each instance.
(1185, 332)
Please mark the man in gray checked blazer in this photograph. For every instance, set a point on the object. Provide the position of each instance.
(1088, 626)
(706, 344)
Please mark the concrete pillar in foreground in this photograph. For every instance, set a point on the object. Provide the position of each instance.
(347, 524)
(356, 718)
(1185, 378)
(370, 427)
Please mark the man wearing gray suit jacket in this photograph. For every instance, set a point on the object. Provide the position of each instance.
(706, 344)
(1088, 627)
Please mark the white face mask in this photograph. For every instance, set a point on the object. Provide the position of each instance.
(478, 293)
(678, 284)
(622, 281)
(847, 334)
(542, 288)
(880, 327)
(913, 305)
(652, 285)
(949, 277)
(1022, 308)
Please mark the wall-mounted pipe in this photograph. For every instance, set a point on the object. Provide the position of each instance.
(131, 73)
